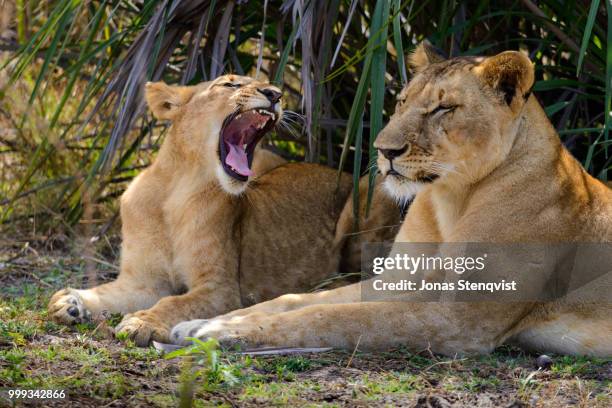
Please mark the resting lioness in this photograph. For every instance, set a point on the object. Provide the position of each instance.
(486, 166)
(209, 227)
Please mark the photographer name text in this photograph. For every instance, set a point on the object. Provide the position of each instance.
(461, 285)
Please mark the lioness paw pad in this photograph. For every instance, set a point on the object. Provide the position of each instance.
(66, 307)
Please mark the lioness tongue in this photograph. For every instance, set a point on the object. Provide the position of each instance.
(237, 159)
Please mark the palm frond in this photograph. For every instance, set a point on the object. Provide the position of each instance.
(82, 65)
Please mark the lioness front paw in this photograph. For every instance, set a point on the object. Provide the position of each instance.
(186, 329)
(66, 307)
(228, 333)
(142, 329)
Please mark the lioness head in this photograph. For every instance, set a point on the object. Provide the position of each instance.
(218, 124)
(455, 121)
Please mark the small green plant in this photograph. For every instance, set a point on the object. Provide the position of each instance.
(12, 361)
(528, 385)
(122, 336)
(201, 364)
(285, 367)
(49, 354)
(115, 319)
(571, 366)
(140, 354)
(16, 333)
(85, 328)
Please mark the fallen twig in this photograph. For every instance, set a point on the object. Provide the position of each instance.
(354, 351)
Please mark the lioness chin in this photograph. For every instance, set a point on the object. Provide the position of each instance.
(486, 165)
(215, 223)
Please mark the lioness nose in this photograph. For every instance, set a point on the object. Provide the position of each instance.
(393, 153)
(272, 95)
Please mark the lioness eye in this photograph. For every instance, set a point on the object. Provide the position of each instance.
(443, 109)
(231, 85)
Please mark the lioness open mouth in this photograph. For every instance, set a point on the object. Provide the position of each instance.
(240, 133)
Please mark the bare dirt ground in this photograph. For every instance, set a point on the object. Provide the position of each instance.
(97, 370)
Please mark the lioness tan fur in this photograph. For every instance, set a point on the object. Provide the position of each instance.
(486, 165)
(199, 243)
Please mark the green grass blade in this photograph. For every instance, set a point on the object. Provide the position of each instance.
(589, 157)
(607, 108)
(28, 52)
(50, 55)
(357, 173)
(354, 130)
(97, 19)
(587, 34)
(397, 40)
(578, 130)
(278, 75)
(353, 122)
(377, 75)
(555, 107)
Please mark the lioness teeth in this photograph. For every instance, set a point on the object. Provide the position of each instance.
(266, 112)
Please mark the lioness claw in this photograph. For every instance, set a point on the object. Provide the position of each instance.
(140, 330)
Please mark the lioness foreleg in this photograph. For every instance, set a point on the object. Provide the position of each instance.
(124, 295)
(144, 275)
(285, 303)
(447, 328)
(155, 323)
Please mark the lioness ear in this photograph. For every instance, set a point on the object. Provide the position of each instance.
(165, 100)
(510, 73)
(424, 54)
